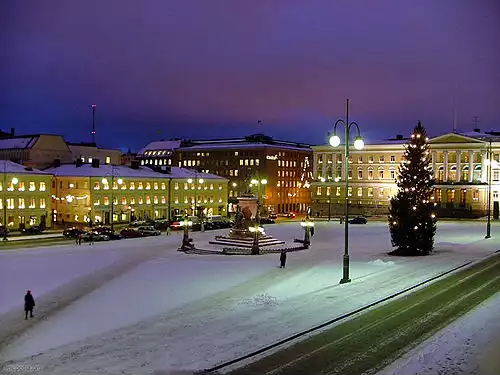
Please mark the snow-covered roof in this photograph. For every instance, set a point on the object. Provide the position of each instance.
(87, 170)
(481, 136)
(202, 147)
(160, 146)
(11, 167)
(18, 142)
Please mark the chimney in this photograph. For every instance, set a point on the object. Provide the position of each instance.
(56, 163)
(12, 132)
(95, 163)
(477, 130)
(79, 162)
(134, 164)
(399, 137)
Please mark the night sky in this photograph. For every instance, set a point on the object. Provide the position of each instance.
(209, 69)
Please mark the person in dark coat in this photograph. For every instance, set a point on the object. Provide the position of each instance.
(282, 259)
(29, 303)
(312, 231)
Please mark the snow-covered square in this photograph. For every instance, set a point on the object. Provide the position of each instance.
(140, 306)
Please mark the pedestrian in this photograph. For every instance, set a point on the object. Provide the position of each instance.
(312, 231)
(79, 238)
(282, 259)
(29, 303)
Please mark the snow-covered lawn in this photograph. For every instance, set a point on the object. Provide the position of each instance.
(178, 311)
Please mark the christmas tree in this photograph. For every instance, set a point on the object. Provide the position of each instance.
(412, 222)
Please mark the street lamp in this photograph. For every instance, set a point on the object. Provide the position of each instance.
(14, 181)
(307, 224)
(256, 230)
(490, 162)
(358, 145)
(186, 241)
(258, 183)
(105, 182)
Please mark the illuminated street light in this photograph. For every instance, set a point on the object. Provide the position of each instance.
(186, 241)
(307, 224)
(359, 145)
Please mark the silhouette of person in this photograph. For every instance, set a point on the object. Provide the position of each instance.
(29, 304)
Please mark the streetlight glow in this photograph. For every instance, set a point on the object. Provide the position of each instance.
(201, 180)
(190, 180)
(334, 140)
(254, 182)
(264, 181)
(120, 181)
(359, 144)
(15, 180)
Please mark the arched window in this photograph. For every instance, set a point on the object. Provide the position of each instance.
(440, 176)
(453, 173)
(465, 173)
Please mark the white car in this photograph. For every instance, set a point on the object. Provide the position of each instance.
(149, 231)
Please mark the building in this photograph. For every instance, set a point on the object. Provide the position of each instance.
(128, 158)
(95, 191)
(88, 151)
(286, 166)
(459, 160)
(37, 151)
(26, 198)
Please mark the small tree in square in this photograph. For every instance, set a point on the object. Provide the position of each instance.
(412, 222)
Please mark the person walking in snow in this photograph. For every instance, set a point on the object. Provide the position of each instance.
(283, 259)
(29, 304)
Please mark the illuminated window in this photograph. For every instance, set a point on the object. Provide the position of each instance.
(105, 185)
(139, 187)
(393, 174)
(381, 192)
(360, 174)
(148, 186)
(96, 185)
(370, 192)
(108, 160)
(155, 199)
(32, 203)
(328, 190)
(246, 161)
(131, 185)
(257, 161)
(124, 200)
(21, 186)
(10, 203)
(148, 199)
(163, 199)
(236, 153)
(132, 200)
(318, 190)
(360, 192)
(251, 162)
(42, 202)
(186, 186)
(163, 186)
(381, 174)
(21, 203)
(211, 186)
(349, 191)
(106, 201)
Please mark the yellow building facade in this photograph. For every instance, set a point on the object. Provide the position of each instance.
(26, 198)
(99, 192)
(460, 163)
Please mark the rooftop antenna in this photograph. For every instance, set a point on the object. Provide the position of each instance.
(475, 119)
(93, 122)
(257, 126)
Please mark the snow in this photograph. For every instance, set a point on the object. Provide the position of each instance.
(18, 142)
(87, 170)
(172, 311)
(11, 167)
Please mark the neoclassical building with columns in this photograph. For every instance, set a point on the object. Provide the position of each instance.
(460, 163)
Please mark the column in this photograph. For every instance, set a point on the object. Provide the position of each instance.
(323, 167)
(433, 158)
(334, 165)
(445, 165)
(471, 166)
(459, 165)
(484, 166)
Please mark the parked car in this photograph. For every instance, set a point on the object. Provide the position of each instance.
(265, 220)
(161, 224)
(73, 232)
(291, 215)
(218, 222)
(108, 232)
(273, 216)
(34, 229)
(95, 236)
(176, 225)
(131, 233)
(358, 220)
(138, 223)
(149, 231)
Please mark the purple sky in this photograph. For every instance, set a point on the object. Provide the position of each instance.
(214, 68)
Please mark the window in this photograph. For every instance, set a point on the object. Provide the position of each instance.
(251, 162)
(475, 194)
(381, 159)
(148, 186)
(42, 187)
(246, 161)
(393, 158)
(10, 203)
(155, 199)
(360, 192)
(21, 186)
(236, 153)
(139, 187)
(106, 201)
(370, 173)
(318, 190)
(241, 161)
(360, 159)
(349, 192)
(155, 185)
(381, 174)
(257, 162)
(360, 174)
(42, 202)
(370, 159)
(32, 203)
(108, 160)
(131, 185)
(495, 175)
(163, 186)
(21, 203)
(337, 191)
(148, 199)
(32, 186)
(124, 200)
(96, 185)
(370, 192)
(381, 192)
(328, 190)
(164, 200)
(132, 200)
(393, 174)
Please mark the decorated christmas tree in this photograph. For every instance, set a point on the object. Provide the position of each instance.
(412, 222)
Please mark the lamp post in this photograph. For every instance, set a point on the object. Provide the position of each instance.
(259, 184)
(119, 182)
(256, 230)
(359, 145)
(307, 224)
(186, 243)
(490, 162)
(14, 181)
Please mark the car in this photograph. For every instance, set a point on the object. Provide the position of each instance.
(94, 236)
(34, 229)
(358, 220)
(179, 224)
(273, 216)
(108, 232)
(149, 231)
(265, 220)
(73, 232)
(291, 215)
(161, 224)
(131, 233)
(138, 223)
